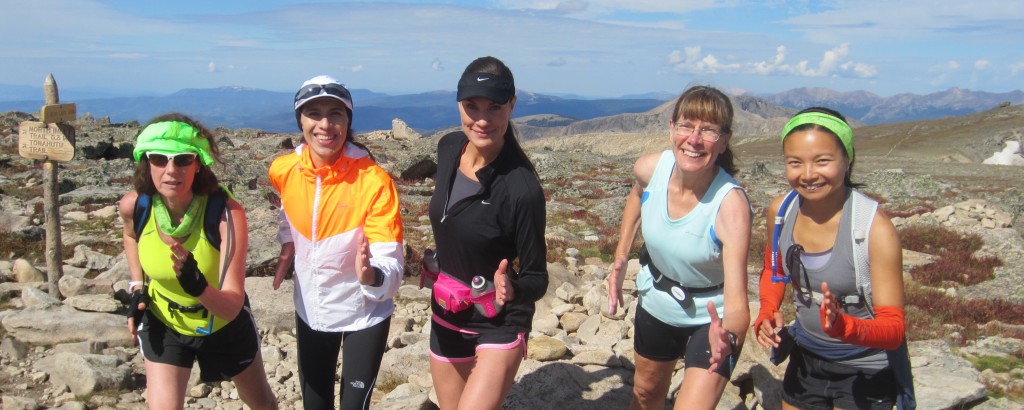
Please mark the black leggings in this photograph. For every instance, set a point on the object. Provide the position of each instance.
(318, 362)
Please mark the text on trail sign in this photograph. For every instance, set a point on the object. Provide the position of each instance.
(54, 142)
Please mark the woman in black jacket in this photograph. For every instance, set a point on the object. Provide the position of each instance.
(487, 213)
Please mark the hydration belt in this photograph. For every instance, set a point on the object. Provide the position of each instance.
(668, 285)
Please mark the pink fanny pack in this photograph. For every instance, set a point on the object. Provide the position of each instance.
(452, 295)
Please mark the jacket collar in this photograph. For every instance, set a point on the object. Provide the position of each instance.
(349, 155)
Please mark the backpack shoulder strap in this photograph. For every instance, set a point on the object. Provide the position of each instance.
(215, 207)
(143, 203)
(863, 212)
(780, 219)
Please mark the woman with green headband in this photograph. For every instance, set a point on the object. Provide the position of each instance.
(839, 346)
(188, 300)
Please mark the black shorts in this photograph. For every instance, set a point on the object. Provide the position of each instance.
(221, 355)
(815, 383)
(454, 346)
(659, 341)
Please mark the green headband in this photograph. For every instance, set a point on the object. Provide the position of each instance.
(171, 137)
(838, 127)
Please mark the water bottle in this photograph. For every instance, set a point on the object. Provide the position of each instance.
(484, 297)
(428, 275)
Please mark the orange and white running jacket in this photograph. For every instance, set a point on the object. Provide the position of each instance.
(324, 210)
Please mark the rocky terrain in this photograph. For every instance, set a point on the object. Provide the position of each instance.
(73, 351)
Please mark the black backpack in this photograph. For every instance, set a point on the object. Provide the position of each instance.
(211, 220)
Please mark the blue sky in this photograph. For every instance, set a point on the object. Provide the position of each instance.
(597, 48)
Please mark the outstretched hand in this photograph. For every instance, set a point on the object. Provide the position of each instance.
(615, 279)
(829, 308)
(718, 339)
(364, 272)
(767, 330)
(503, 291)
(137, 304)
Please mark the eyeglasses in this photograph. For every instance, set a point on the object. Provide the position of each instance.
(314, 90)
(706, 134)
(181, 159)
(796, 268)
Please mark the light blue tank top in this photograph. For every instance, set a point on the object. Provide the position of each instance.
(683, 249)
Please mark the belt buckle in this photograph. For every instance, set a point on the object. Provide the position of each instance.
(678, 293)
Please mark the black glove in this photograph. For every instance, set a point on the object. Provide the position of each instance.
(138, 296)
(191, 279)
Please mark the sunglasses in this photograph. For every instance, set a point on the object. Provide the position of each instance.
(314, 90)
(181, 159)
(796, 269)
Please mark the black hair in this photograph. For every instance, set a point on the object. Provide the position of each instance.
(847, 182)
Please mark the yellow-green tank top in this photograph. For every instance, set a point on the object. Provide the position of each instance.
(155, 256)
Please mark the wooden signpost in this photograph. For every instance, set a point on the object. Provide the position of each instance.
(50, 140)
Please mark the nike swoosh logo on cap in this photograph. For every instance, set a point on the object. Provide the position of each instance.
(483, 78)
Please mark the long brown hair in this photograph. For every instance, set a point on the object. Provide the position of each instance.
(205, 182)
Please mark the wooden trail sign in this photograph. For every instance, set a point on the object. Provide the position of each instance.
(54, 142)
(54, 113)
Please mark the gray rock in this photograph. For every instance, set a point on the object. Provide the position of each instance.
(406, 396)
(273, 310)
(33, 298)
(86, 374)
(70, 286)
(54, 325)
(12, 402)
(90, 259)
(94, 303)
(13, 348)
(571, 321)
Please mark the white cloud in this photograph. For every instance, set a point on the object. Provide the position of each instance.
(357, 69)
(436, 65)
(556, 62)
(211, 67)
(982, 64)
(1017, 68)
(833, 63)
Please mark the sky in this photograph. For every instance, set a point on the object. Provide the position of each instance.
(596, 48)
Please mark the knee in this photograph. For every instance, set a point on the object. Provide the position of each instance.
(647, 393)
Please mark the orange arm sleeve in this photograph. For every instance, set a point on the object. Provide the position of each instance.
(885, 331)
(770, 293)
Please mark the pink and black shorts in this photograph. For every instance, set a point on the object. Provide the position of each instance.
(452, 344)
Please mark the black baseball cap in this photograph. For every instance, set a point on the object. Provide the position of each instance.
(497, 88)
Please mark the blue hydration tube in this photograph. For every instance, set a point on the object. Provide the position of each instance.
(779, 219)
(206, 331)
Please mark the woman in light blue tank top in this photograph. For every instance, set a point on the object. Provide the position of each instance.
(692, 284)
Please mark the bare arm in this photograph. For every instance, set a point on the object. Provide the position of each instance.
(642, 171)
(732, 226)
(227, 301)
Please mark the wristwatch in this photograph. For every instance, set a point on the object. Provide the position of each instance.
(378, 277)
(733, 339)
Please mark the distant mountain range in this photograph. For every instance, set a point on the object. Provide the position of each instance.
(239, 107)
